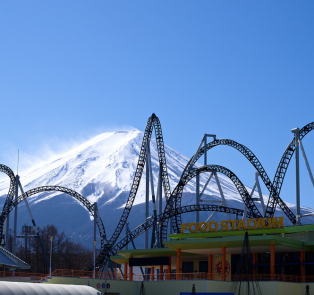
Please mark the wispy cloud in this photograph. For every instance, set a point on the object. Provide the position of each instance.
(48, 148)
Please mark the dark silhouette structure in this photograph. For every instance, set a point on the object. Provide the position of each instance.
(142, 290)
(244, 279)
(193, 290)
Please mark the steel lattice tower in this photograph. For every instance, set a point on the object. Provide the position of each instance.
(244, 279)
(142, 290)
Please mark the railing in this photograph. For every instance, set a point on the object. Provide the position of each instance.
(269, 277)
(175, 276)
(21, 275)
(155, 276)
(87, 274)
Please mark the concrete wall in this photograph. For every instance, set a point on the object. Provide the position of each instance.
(175, 287)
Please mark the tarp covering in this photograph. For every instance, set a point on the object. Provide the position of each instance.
(17, 288)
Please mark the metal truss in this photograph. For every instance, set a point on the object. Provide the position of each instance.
(173, 207)
(5, 169)
(280, 175)
(153, 122)
(271, 186)
(11, 193)
(176, 195)
(239, 147)
(105, 254)
(90, 207)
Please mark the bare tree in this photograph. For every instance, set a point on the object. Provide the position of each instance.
(66, 254)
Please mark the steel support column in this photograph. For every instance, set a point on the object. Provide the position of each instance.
(147, 201)
(221, 193)
(126, 233)
(260, 193)
(205, 151)
(306, 162)
(7, 232)
(197, 213)
(297, 172)
(15, 214)
(160, 190)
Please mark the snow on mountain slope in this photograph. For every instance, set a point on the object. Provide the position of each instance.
(107, 163)
(102, 170)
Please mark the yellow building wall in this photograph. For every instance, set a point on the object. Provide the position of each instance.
(216, 266)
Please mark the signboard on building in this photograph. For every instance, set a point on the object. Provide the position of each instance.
(233, 225)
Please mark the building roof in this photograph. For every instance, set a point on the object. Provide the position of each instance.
(124, 255)
(9, 259)
(17, 288)
(287, 239)
(253, 232)
(5, 260)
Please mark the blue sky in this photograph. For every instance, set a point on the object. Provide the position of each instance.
(243, 70)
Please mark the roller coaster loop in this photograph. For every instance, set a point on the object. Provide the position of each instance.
(253, 212)
(228, 142)
(74, 194)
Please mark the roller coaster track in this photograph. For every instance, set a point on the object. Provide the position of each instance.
(11, 193)
(171, 211)
(105, 254)
(153, 121)
(256, 164)
(228, 142)
(173, 207)
(74, 194)
(280, 175)
(5, 169)
(253, 212)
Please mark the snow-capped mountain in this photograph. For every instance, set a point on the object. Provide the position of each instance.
(102, 170)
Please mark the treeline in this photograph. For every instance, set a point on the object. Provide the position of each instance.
(66, 254)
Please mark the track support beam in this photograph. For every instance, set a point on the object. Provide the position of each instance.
(297, 172)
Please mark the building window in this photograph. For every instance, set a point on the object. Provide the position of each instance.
(187, 267)
(203, 266)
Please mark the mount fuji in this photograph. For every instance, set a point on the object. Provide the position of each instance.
(102, 170)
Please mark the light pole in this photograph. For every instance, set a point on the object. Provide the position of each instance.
(51, 239)
(94, 258)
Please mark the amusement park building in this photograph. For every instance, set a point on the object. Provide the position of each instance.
(283, 259)
(278, 253)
